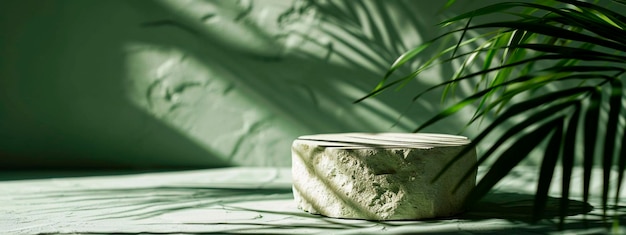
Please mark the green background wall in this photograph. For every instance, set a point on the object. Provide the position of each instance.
(145, 84)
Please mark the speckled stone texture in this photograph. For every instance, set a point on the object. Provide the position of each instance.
(380, 176)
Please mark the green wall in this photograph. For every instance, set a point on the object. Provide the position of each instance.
(143, 84)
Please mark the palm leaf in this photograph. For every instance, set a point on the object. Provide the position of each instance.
(615, 107)
(546, 43)
(567, 162)
(621, 165)
(515, 155)
(510, 133)
(552, 31)
(591, 123)
(550, 158)
(516, 110)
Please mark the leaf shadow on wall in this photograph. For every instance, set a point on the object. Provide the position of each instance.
(312, 85)
(66, 102)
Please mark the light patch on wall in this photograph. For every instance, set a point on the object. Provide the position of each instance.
(244, 78)
(204, 105)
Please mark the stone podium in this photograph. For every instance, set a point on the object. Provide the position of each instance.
(382, 176)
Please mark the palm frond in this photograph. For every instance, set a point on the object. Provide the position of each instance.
(515, 155)
(510, 64)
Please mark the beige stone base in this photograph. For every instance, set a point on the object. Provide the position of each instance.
(380, 176)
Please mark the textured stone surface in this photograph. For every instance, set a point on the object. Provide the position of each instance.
(380, 176)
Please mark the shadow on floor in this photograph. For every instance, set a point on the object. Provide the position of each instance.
(516, 206)
(498, 212)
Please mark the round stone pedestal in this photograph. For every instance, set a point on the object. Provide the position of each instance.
(384, 176)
